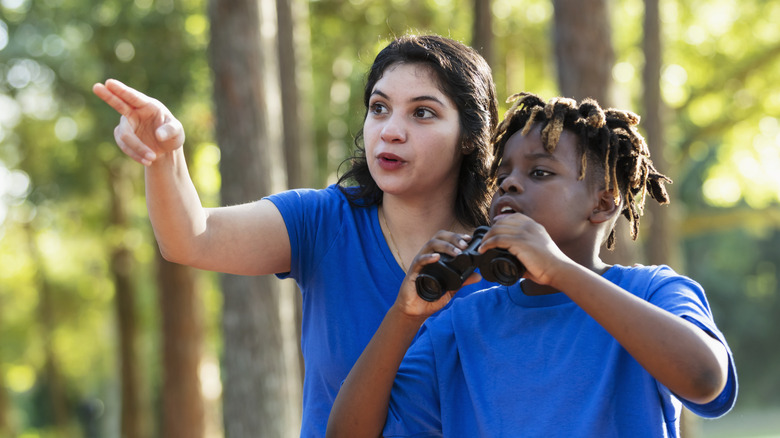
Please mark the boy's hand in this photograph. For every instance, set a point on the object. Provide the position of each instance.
(529, 241)
(444, 242)
(147, 129)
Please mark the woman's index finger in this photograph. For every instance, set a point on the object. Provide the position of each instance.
(123, 98)
(111, 99)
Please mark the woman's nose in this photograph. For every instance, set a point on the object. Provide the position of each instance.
(394, 130)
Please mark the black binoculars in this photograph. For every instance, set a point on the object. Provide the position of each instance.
(496, 265)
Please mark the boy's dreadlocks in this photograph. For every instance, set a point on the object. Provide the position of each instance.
(605, 136)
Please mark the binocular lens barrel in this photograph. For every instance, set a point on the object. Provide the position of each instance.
(428, 287)
(505, 270)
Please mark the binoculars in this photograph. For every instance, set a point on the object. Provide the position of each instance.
(448, 273)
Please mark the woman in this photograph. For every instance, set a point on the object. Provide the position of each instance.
(421, 164)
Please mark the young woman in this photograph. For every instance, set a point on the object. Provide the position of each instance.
(422, 164)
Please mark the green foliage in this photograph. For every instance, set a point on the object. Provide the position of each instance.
(56, 153)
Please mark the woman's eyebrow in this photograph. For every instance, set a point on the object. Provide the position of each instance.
(426, 98)
(379, 93)
(423, 98)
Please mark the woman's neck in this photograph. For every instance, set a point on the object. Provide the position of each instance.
(408, 226)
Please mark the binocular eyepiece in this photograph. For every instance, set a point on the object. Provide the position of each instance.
(448, 273)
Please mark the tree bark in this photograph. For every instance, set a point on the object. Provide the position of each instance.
(53, 383)
(5, 425)
(259, 379)
(584, 57)
(482, 36)
(296, 82)
(134, 420)
(182, 341)
(583, 49)
(663, 245)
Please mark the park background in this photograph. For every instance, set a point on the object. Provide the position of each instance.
(100, 337)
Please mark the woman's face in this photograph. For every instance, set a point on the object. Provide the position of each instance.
(412, 133)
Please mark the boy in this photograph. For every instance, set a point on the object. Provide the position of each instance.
(577, 347)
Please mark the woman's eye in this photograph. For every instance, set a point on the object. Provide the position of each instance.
(378, 108)
(423, 113)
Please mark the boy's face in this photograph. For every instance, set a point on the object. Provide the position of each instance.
(546, 187)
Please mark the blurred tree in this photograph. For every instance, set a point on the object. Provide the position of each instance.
(584, 57)
(583, 49)
(258, 377)
(134, 421)
(663, 246)
(56, 404)
(720, 58)
(482, 35)
(181, 327)
(182, 349)
(5, 424)
(294, 53)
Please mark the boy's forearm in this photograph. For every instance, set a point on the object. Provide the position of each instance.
(678, 354)
(361, 406)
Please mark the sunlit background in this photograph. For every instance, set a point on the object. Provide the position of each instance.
(62, 177)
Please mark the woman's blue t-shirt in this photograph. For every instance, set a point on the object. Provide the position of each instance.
(348, 278)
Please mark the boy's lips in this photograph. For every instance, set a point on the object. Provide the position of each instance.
(504, 207)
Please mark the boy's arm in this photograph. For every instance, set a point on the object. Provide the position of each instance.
(360, 409)
(681, 356)
(361, 406)
(678, 354)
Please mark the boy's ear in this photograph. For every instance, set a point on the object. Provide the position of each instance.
(607, 207)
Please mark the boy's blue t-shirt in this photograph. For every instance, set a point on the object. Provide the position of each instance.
(502, 363)
(348, 278)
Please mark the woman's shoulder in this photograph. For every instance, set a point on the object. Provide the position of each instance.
(330, 195)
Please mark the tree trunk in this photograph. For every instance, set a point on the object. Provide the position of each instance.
(663, 245)
(482, 36)
(583, 49)
(134, 422)
(584, 57)
(259, 379)
(296, 82)
(5, 425)
(182, 340)
(53, 383)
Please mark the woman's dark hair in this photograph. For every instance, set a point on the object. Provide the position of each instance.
(465, 77)
(607, 139)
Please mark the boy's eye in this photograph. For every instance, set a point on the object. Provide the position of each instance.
(539, 173)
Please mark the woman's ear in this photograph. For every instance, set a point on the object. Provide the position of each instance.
(607, 207)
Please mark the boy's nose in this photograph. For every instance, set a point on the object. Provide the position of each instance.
(510, 184)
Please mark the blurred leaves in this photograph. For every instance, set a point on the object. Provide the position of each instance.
(56, 149)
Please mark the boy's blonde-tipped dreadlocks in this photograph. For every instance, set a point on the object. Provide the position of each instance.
(605, 136)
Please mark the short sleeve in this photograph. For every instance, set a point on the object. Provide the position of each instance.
(414, 408)
(684, 297)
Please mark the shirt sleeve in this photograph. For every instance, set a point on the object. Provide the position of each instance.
(684, 297)
(414, 408)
